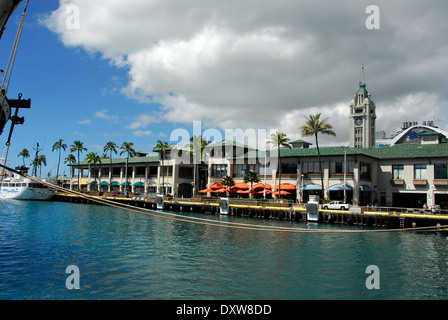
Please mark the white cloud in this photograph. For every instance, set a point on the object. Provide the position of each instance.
(142, 133)
(240, 65)
(103, 114)
(86, 121)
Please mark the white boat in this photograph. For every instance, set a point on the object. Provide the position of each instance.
(12, 187)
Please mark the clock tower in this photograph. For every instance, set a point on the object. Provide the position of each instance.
(362, 119)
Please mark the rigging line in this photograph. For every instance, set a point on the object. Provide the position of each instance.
(215, 223)
(13, 55)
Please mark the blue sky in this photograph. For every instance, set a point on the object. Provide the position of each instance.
(75, 95)
(136, 70)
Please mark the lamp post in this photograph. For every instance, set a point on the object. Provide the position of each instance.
(301, 189)
(345, 173)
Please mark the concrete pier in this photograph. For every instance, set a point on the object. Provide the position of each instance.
(366, 218)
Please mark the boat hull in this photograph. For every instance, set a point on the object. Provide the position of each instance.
(26, 193)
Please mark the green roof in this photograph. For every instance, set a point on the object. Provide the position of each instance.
(300, 141)
(228, 143)
(409, 150)
(152, 159)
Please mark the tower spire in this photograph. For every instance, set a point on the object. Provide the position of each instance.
(362, 73)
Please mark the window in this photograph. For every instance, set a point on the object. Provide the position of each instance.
(338, 166)
(289, 168)
(140, 172)
(440, 171)
(420, 171)
(186, 172)
(310, 167)
(397, 171)
(365, 172)
(261, 169)
(166, 171)
(240, 170)
(358, 137)
(116, 172)
(219, 170)
(152, 172)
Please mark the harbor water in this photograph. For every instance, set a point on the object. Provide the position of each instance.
(128, 255)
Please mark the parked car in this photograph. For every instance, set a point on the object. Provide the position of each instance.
(336, 205)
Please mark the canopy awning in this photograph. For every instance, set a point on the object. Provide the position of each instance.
(103, 183)
(126, 184)
(139, 184)
(91, 183)
(366, 188)
(312, 186)
(115, 183)
(340, 187)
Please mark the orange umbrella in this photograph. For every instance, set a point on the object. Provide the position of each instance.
(219, 190)
(242, 186)
(262, 186)
(262, 191)
(282, 193)
(245, 191)
(206, 191)
(286, 186)
(216, 185)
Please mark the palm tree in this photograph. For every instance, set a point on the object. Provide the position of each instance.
(71, 160)
(58, 146)
(94, 158)
(251, 177)
(24, 154)
(162, 146)
(278, 140)
(228, 182)
(38, 162)
(312, 127)
(110, 147)
(197, 145)
(127, 147)
(79, 147)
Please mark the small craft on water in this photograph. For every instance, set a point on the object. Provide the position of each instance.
(16, 187)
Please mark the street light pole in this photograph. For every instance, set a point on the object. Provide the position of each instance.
(345, 174)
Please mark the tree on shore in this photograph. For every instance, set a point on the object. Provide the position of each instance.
(57, 147)
(110, 147)
(162, 147)
(70, 159)
(94, 158)
(39, 162)
(312, 127)
(251, 177)
(24, 154)
(78, 146)
(197, 145)
(278, 140)
(228, 182)
(127, 147)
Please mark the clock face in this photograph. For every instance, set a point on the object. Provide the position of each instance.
(358, 121)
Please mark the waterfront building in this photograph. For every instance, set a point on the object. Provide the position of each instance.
(408, 169)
